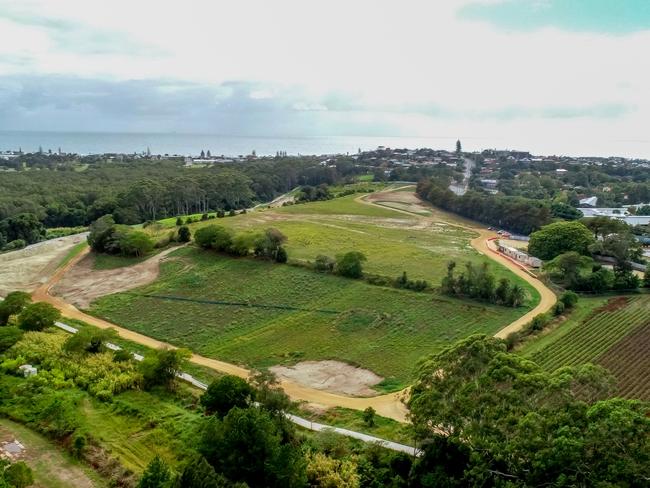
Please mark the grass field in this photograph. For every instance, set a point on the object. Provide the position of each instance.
(613, 332)
(392, 241)
(383, 329)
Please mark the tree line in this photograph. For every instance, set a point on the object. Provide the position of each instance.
(480, 283)
(137, 190)
(517, 214)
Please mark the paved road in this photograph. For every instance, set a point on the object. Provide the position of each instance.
(461, 188)
(307, 424)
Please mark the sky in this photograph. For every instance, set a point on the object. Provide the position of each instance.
(551, 76)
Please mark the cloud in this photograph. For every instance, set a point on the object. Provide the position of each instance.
(601, 16)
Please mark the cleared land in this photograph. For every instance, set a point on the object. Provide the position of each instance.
(614, 333)
(82, 284)
(230, 301)
(28, 268)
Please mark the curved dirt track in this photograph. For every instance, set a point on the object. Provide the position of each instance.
(484, 244)
(389, 405)
(386, 405)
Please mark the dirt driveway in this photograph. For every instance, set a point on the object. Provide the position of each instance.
(82, 284)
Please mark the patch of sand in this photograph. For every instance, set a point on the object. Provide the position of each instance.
(28, 268)
(82, 284)
(332, 376)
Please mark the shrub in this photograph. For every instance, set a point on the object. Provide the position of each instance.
(179, 221)
(558, 308)
(232, 213)
(281, 255)
(569, 299)
(8, 337)
(539, 322)
(225, 393)
(184, 234)
(350, 264)
(324, 264)
(221, 214)
(369, 416)
(161, 367)
(204, 216)
(15, 244)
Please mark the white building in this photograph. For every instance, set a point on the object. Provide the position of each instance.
(519, 255)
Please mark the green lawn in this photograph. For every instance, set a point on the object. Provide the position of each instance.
(383, 329)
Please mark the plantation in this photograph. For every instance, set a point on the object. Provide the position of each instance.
(614, 333)
(326, 317)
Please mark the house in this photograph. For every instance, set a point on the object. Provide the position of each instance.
(590, 201)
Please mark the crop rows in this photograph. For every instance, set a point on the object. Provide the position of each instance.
(596, 335)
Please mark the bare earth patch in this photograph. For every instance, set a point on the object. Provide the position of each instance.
(30, 267)
(333, 376)
(82, 284)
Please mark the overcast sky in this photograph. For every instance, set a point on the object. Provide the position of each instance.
(527, 73)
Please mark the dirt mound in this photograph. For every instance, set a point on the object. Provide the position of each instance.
(332, 376)
(82, 284)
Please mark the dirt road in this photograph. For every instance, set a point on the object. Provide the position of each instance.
(389, 405)
(484, 244)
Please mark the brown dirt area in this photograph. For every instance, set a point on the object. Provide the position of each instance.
(32, 266)
(333, 376)
(82, 284)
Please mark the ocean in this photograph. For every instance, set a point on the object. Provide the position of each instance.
(193, 144)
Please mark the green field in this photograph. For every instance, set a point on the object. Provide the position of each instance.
(392, 241)
(612, 332)
(384, 329)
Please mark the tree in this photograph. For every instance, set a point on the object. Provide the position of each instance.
(156, 475)
(516, 296)
(161, 367)
(89, 340)
(558, 238)
(197, 473)
(369, 416)
(350, 264)
(268, 244)
(19, 475)
(13, 304)
(459, 147)
(523, 426)
(214, 237)
(225, 393)
(38, 316)
(179, 221)
(8, 337)
(502, 291)
(184, 234)
(326, 472)
(247, 445)
(135, 243)
(100, 232)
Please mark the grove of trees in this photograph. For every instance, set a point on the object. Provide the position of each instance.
(486, 417)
